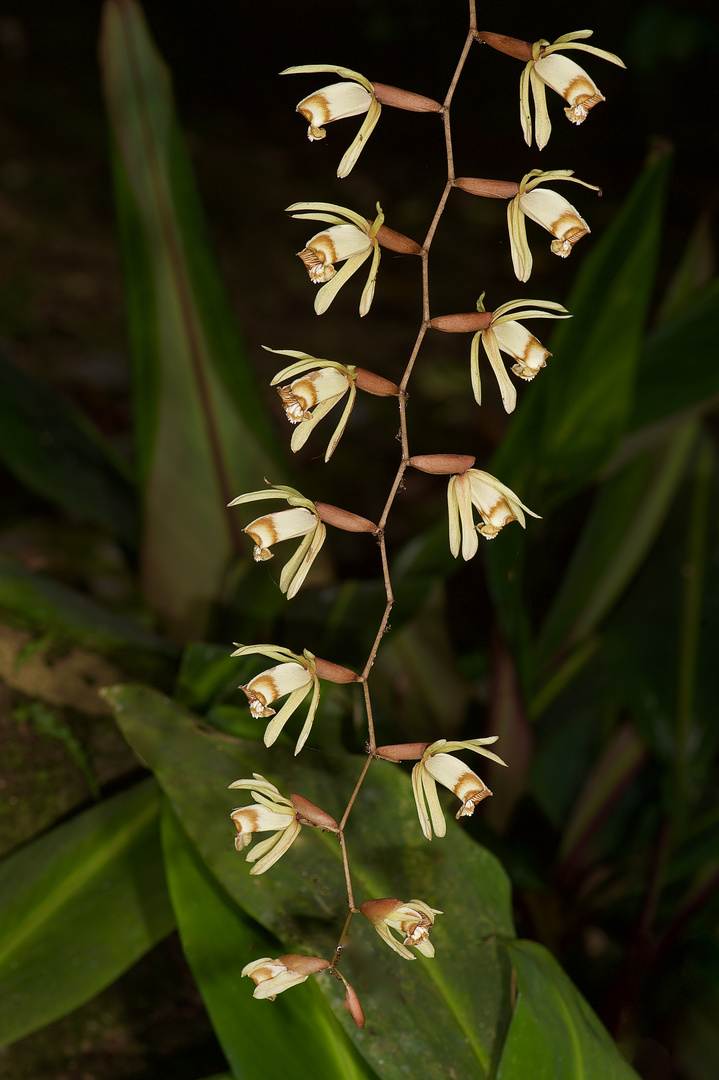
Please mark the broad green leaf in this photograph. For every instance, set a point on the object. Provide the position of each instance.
(200, 435)
(554, 1035)
(41, 604)
(78, 907)
(56, 453)
(294, 1036)
(302, 899)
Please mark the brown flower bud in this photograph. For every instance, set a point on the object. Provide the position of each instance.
(469, 322)
(488, 189)
(396, 241)
(408, 751)
(442, 464)
(377, 910)
(309, 814)
(334, 672)
(404, 99)
(353, 1004)
(343, 519)
(374, 384)
(303, 965)
(522, 50)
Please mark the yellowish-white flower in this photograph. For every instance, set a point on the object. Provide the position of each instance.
(413, 920)
(293, 675)
(349, 239)
(301, 520)
(550, 210)
(353, 97)
(506, 333)
(438, 765)
(496, 503)
(548, 68)
(316, 387)
(271, 813)
(271, 977)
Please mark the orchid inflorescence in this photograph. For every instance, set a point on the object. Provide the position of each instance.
(310, 387)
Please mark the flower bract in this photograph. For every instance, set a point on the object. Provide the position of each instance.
(550, 210)
(506, 334)
(293, 676)
(300, 520)
(496, 503)
(438, 765)
(271, 977)
(316, 387)
(349, 239)
(568, 79)
(271, 813)
(353, 97)
(413, 920)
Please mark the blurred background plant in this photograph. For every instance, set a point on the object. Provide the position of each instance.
(587, 645)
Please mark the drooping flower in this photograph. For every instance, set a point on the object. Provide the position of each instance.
(506, 333)
(437, 764)
(271, 977)
(550, 210)
(496, 503)
(293, 675)
(413, 920)
(353, 97)
(301, 520)
(350, 238)
(271, 813)
(569, 80)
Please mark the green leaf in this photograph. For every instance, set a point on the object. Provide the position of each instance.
(294, 1036)
(554, 1035)
(78, 907)
(200, 437)
(302, 898)
(57, 454)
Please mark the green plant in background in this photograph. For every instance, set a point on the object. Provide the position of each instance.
(599, 667)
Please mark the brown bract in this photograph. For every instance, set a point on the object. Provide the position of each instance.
(396, 241)
(303, 965)
(344, 519)
(335, 673)
(309, 814)
(442, 464)
(409, 751)
(467, 322)
(487, 189)
(375, 384)
(404, 99)
(522, 50)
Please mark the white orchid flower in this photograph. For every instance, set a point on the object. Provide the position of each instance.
(350, 239)
(352, 97)
(506, 333)
(271, 813)
(293, 675)
(496, 503)
(271, 977)
(550, 210)
(413, 920)
(569, 80)
(438, 765)
(301, 520)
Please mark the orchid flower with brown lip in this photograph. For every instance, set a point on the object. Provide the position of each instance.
(294, 675)
(350, 239)
(550, 210)
(413, 920)
(497, 505)
(271, 813)
(272, 977)
(438, 765)
(353, 97)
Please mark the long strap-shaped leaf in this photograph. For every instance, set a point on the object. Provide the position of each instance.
(199, 437)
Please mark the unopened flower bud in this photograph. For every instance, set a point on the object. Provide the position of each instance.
(353, 1005)
(409, 751)
(396, 241)
(344, 519)
(467, 322)
(404, 99)
(442, 464)
(488, 189)
(309, 814)
(375, 384)
(522, 50)
(335, 673)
